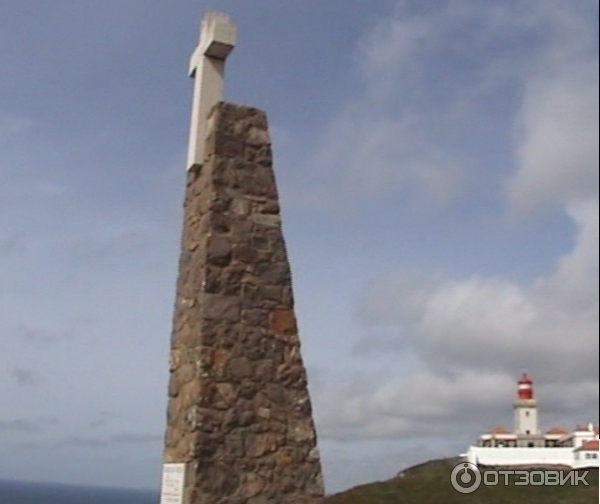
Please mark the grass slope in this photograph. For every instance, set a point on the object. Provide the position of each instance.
(430, 484)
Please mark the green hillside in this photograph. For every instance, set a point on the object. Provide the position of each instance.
(430, 484)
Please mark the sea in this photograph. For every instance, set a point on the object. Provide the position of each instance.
(17, 492)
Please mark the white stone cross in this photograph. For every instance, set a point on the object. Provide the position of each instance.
(207, 67)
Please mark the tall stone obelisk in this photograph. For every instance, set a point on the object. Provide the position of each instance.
(239, 426)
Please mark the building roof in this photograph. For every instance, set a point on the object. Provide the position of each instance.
(587, 428)
(589, 446)
(558, 431)
(500, 431)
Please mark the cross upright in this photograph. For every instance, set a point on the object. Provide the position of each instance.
(207, 67)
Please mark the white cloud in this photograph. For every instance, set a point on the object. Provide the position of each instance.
(440, 88)
(465, 338)
(472, 336)
(558, 124)
(421, 405)
(575, 281)
(390, 138)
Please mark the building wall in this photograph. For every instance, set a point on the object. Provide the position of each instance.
(527, 418)
(531, 442)
(580, 438)
(520, 456)
(586, 460)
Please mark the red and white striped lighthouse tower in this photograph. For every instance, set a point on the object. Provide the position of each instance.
(526, 409)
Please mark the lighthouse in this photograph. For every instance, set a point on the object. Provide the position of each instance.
(527, 445)
(526, 409)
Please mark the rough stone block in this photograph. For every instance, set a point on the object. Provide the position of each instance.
(217, 307)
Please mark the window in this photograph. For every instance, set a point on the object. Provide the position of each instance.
(531, 445)
(527, 414)
(527, 432)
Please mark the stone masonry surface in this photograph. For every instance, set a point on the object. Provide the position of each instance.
(239, 412)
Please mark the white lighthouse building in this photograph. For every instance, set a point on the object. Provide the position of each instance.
(527, 420)
(528, 445)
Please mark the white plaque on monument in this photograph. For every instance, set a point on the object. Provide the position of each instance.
(173, 484)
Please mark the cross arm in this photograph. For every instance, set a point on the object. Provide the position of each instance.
(219, 36)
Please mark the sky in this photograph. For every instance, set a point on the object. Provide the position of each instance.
(438, 172)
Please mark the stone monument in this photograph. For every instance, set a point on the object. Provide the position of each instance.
(239, 421)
